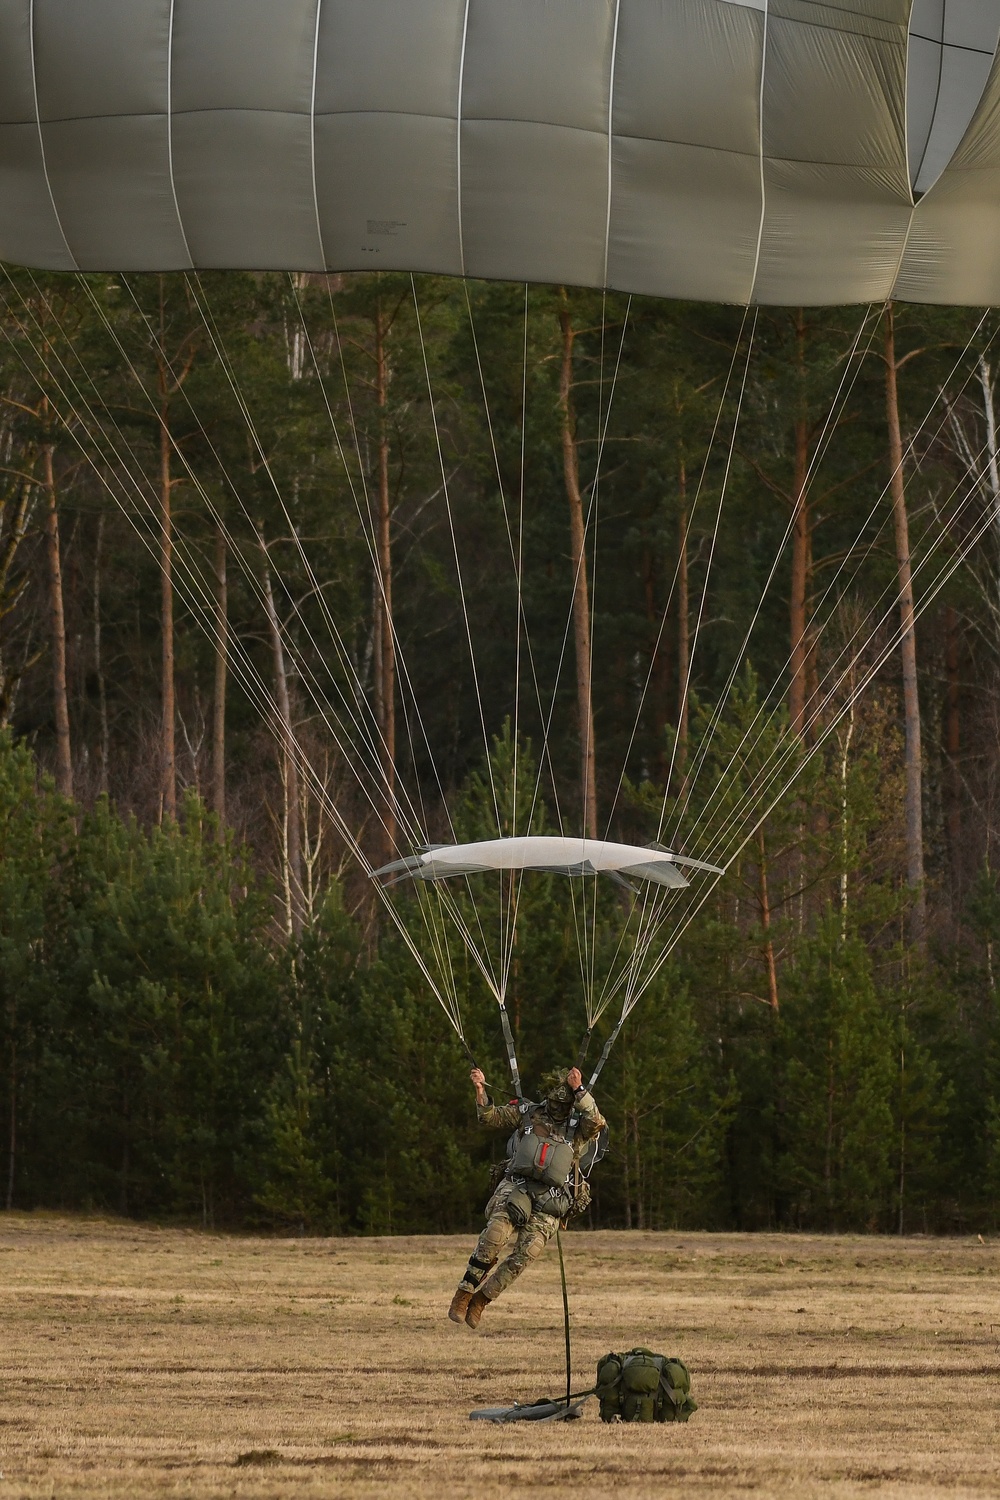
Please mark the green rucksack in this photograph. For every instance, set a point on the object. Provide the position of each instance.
(641, 1386)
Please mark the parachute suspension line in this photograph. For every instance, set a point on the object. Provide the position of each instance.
(756, 820)
(651, 906)
(859, 561)
(318, 786)
(787, 751)
(699, 490)
(982, 528)
(454, 549)
(517, 877)
(497, 979)
(516, 548)
(752, 795)
(445, 899)
(364, 518)
(441, 898)
(699, 619)
(851, 370)
(606, 995)
(360, 705)
(848, 649)
(652, 923)
(202, 606)
(593, 516)
(840, 399)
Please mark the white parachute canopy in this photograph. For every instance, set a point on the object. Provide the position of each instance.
(549, 853)
(725, 150)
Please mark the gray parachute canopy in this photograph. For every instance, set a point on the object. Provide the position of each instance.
(775, 151)
(555, 854)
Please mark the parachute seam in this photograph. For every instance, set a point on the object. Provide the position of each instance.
(763, 184)
(611, 135)
(41, 137)
(458, 137)
(170, 131)
(312, 135)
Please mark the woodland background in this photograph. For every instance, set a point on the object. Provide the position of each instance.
(203, 1014)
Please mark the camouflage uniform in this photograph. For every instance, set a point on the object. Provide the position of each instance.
(536, 1233)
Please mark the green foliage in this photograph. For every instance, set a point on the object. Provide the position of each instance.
(164, 1051)
(834, 1102)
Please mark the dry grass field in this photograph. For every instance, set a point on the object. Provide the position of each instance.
(158, 1362)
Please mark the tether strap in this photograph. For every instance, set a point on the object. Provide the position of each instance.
(508, 1037)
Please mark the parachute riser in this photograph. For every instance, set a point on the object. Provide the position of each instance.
(508, 1036)
(605, 1052)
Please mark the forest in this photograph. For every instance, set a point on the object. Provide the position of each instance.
(300, 571)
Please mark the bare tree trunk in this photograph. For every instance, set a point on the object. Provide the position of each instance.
(9, 592)
(219, 694)
(683, 624)
(578, 557)
(168, 755)
(953, 741)
(845, 754)
(993, 468)
(102, 692)
(385, 642)
(12, 1121)
(908, 647)
(57, 626)
(800, 546)
(765, 922)
(659, 672)
(289, 750)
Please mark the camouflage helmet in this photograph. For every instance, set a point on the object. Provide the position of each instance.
(557, 1094)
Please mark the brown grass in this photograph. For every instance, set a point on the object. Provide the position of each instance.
(157, 1362)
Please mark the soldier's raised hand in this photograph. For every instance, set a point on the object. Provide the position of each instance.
(478, 1078)
(574, 1078)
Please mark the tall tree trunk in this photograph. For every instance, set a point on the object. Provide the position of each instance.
(578, 557)
(908, 647)
(221, 671)
(993, 462)
(953, 742)
(289, 752)
(102, 691)
(12, 1126)
(683, 623)
(797, 690)
(765, 922)
(57, 626)
(385, 696)
(16, 530)
(660, 666)
(168, 755)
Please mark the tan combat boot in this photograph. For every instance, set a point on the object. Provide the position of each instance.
(459, 1305)
(475, 1309)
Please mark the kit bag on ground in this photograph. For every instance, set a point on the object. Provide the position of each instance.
(641, 1386)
